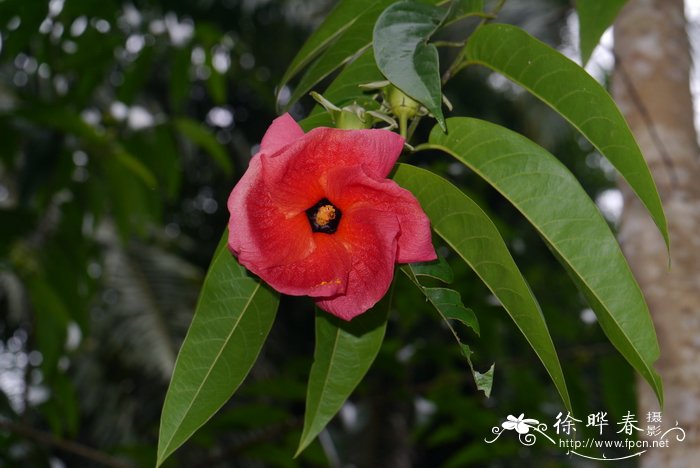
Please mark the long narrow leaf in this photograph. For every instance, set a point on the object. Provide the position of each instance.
(474, 237)
(233, 317)
(356, 38)
(553, 201)
(344, 352)
(594, 17)
(337, 21)
(574, 94)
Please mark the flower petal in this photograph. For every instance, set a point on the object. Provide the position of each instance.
(355, 189)
(323, 148)
(376, 150)
(259, 233)
(370, 239)
(324, 272)
(282, 132)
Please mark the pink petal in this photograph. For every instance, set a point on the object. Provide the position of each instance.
(370, 238)
(324, 272)
(355, 189)
(324, 148)
(376, 150)
(260, 234)
(282, 132)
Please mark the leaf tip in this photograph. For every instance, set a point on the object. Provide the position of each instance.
(441, 121)
(303, 443)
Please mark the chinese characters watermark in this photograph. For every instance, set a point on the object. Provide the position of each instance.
(564, 431)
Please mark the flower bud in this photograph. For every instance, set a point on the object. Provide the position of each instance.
(403, 106)
(352, 118)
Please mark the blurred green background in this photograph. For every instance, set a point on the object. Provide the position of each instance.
(123, 127)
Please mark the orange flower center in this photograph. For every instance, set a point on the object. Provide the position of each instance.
(324, 217)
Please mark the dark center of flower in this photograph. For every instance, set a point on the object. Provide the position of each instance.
(324, 217)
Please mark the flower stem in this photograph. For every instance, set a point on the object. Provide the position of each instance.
(403, 124)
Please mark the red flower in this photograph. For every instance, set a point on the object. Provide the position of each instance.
(315, 215)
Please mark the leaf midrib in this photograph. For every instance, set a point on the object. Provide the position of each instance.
(206, 377)
(527, 298)
(664, 223)
(306, 440)
(583, 280)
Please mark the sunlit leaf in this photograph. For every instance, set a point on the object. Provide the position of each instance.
(472, 235)
(233, 317)
(344, 352)
(573, 93)
(404, 56)
(553, 201)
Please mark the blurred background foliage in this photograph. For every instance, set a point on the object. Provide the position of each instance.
(123, 127)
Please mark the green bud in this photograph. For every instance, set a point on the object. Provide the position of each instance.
(352, 118)
(403, 106)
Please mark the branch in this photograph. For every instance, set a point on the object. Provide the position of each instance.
(49, 439)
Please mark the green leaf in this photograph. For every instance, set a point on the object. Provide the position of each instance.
(473, 236)
(351, 43)
(135, 166)
(344, 352)
(460, 9)
(438, 269)
(404, 56)
(342, 17)
(201, 136)
(136, 76)
(484, 382)
(179, 62)
(52, 319)
(574, 94)
(345, 89)
(134, 207)
(594, 17)
(449, 302)
(233, 317)
(157, 149)
(553, 201)
(216, 83)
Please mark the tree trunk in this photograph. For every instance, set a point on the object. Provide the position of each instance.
(651, 86)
